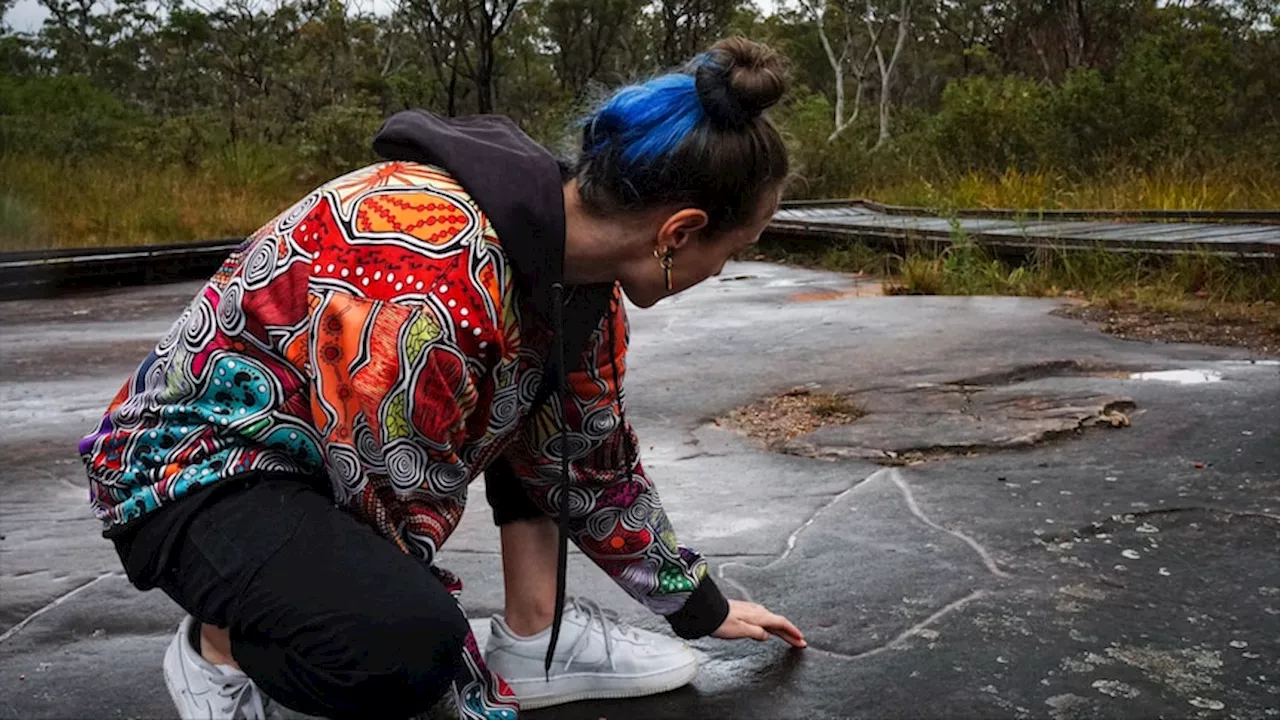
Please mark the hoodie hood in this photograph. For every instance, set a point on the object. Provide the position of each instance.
(516, 182)
(519, 187)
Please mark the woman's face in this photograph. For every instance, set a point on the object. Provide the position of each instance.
(694, 257)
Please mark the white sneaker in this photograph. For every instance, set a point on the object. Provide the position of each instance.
(597, 657)
(204, 691)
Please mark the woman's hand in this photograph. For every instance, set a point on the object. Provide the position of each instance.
(749, 620)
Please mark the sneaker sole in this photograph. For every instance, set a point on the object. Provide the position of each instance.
(596, 687)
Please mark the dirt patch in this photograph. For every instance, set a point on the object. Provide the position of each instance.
(1256, 327)
(862, 288)
(779, 418)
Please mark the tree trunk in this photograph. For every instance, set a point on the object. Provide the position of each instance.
(452, 100)
(886, 70)
(841, 122)
(1075, 37)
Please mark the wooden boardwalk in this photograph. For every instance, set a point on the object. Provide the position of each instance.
(1237, 233)
(1241, 233)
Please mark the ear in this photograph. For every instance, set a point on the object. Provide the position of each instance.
(681, 228)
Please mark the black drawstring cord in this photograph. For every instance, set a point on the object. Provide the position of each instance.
(627, 451)
(562, 561)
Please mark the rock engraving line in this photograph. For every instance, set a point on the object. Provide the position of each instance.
(894, 475)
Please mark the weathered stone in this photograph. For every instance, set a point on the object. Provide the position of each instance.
(935, 421)
(869, 571)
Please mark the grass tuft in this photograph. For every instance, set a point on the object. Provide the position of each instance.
(1201, 289)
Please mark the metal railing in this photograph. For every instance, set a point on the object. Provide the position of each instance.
(46, 273)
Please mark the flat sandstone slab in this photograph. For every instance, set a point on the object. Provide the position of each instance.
(930, 421)
(894, 586)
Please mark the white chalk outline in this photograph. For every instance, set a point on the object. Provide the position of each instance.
(55, 603)
(988, 561)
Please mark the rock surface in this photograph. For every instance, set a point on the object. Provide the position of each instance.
(1109, 573)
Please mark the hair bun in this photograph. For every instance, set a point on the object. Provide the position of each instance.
(738, 79)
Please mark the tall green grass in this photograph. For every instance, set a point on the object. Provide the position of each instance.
(108, 201)
(1176, 185)
(103, 203)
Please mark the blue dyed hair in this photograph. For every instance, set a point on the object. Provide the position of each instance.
(694, 138)
(648, 121)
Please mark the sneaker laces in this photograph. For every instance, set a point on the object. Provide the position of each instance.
(246, 701)
(609, 621)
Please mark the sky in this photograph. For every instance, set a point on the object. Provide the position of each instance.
(27, 15)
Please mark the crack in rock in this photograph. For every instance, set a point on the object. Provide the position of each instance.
(1048, 369)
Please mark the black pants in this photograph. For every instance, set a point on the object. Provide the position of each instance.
(326, 616)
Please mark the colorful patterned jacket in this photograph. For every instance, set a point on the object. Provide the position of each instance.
(378, 333)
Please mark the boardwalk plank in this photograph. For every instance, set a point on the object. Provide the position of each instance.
(823, 220)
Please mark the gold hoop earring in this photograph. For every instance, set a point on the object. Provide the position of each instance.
(665, 259)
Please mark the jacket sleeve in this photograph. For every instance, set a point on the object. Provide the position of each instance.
(616, 517)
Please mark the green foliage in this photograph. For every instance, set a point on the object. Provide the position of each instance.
(822, 169)
(1082, 123)
(336, 137)
(965, 269)
(62, 117)
(992, 104)
(1237, 182)
(590, 40)
(989, 122)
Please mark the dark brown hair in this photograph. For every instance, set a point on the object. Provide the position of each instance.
(696, 138)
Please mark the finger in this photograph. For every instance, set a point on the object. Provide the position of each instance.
(774, 623)
(744, 629)
(784, 629)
